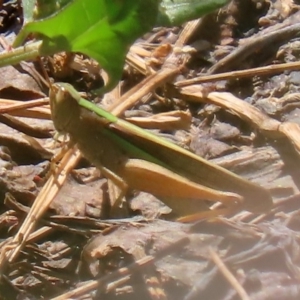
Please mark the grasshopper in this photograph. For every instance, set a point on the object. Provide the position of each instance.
(140, 160)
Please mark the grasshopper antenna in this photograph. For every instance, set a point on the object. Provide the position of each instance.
(46, 78)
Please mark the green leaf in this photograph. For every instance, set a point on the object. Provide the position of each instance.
(104, 30)
(28, 10)
(176, 12)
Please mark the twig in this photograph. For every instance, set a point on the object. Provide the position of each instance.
(228, 275)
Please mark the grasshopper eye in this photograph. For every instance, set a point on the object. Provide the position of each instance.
(58, 93)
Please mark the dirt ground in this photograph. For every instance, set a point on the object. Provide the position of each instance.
(225, 87)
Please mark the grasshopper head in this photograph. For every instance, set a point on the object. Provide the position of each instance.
(64, 106)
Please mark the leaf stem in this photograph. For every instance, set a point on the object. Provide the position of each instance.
(15, 56)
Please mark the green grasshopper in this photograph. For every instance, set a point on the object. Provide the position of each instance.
(143, 161)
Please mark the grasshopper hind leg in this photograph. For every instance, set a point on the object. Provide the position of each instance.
(175, 191)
